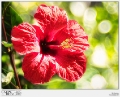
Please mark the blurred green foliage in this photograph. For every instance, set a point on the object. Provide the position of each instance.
(100, 22)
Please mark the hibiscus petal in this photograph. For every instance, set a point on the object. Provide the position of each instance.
(38, 68)
(73, 37)
(71, 65)
(51, 18)
(25, 38)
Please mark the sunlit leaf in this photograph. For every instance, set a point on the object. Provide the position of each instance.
(17, 62)
(15, 18)
(6, 44)
(5, 58)
(20, 71)
(6, 79)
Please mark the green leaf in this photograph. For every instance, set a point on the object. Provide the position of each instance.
(6, 44)
(4, 6)
(20, 71)
(15, 18)
(25, 86)
(60, 84)
(5, 58)
(11, 18)
(6, 79)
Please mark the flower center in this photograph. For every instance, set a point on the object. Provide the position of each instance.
(45, 47)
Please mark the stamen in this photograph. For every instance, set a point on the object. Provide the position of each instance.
(66, 43)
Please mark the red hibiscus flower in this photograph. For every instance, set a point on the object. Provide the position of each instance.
(56, 46)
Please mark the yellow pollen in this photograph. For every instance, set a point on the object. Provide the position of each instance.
(66, 43)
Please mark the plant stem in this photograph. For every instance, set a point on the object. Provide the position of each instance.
(14, 85)
(11, 57)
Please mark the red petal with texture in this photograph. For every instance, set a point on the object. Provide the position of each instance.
(75, 35)
(71, 65)
(25, 38)
(51, 18)
(38, 68)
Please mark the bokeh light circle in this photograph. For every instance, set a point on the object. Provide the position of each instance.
(90, 14)
(98, 82)
(104, 26)
(78, 8)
